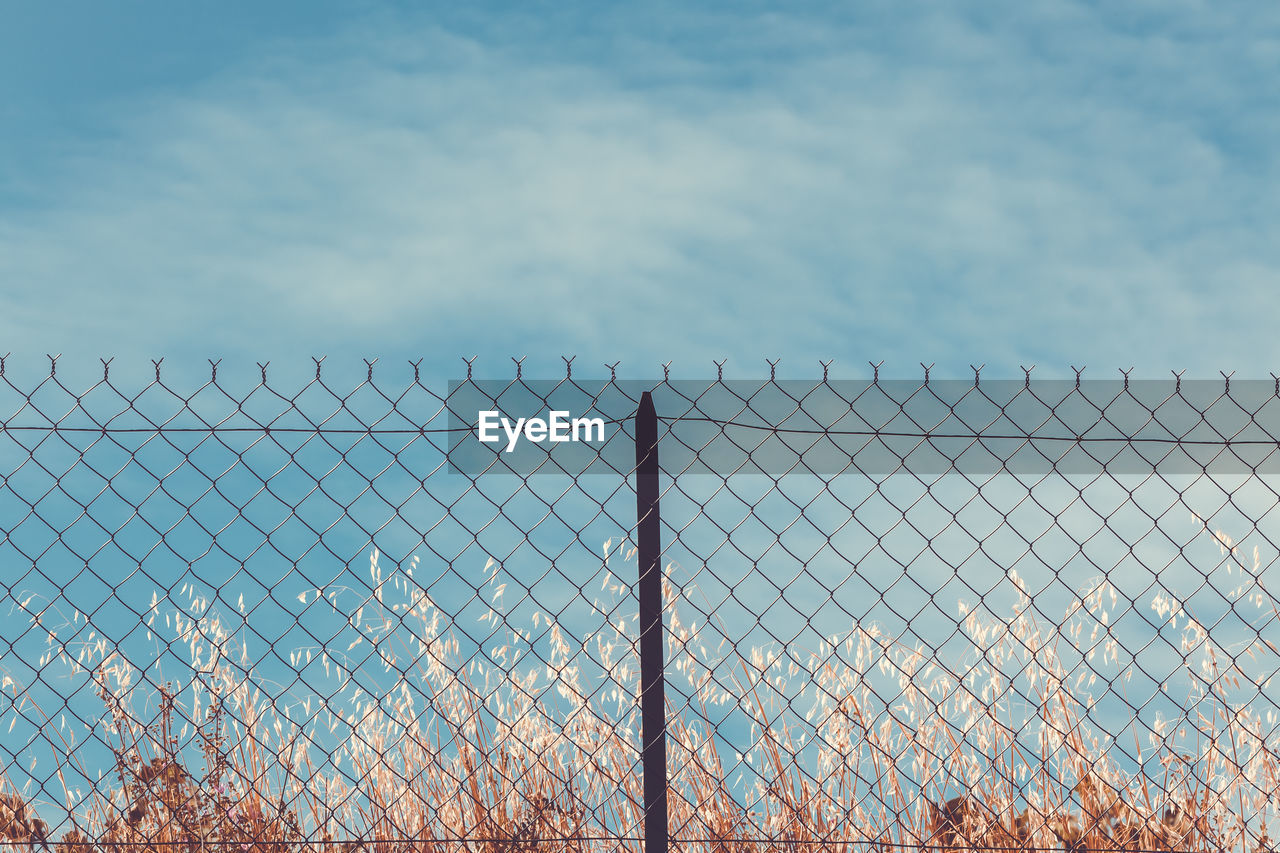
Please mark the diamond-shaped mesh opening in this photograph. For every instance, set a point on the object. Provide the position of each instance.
(928, 615)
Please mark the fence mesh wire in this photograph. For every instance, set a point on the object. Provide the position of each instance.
(897, 615)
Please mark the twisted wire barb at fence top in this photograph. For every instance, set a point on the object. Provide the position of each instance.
(879, 638)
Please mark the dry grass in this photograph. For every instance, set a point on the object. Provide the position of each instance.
(536, 749)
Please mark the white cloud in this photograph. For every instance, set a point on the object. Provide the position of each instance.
(1005, 191)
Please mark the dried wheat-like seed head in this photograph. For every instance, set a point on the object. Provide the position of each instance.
(17, 823)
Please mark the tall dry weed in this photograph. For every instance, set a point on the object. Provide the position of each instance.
(862, 743)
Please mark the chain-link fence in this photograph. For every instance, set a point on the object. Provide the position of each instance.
(884, 614)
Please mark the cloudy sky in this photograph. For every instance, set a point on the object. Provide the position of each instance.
(1058, 183)
(1004, 183)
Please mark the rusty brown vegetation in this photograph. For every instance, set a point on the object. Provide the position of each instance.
(516, 759)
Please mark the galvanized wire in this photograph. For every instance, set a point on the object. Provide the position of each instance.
(870, 653)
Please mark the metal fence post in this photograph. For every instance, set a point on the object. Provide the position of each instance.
(652, 685)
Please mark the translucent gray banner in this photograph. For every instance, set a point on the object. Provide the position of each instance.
(724, 427)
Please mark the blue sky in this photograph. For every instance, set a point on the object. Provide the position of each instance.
(1004, 183)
